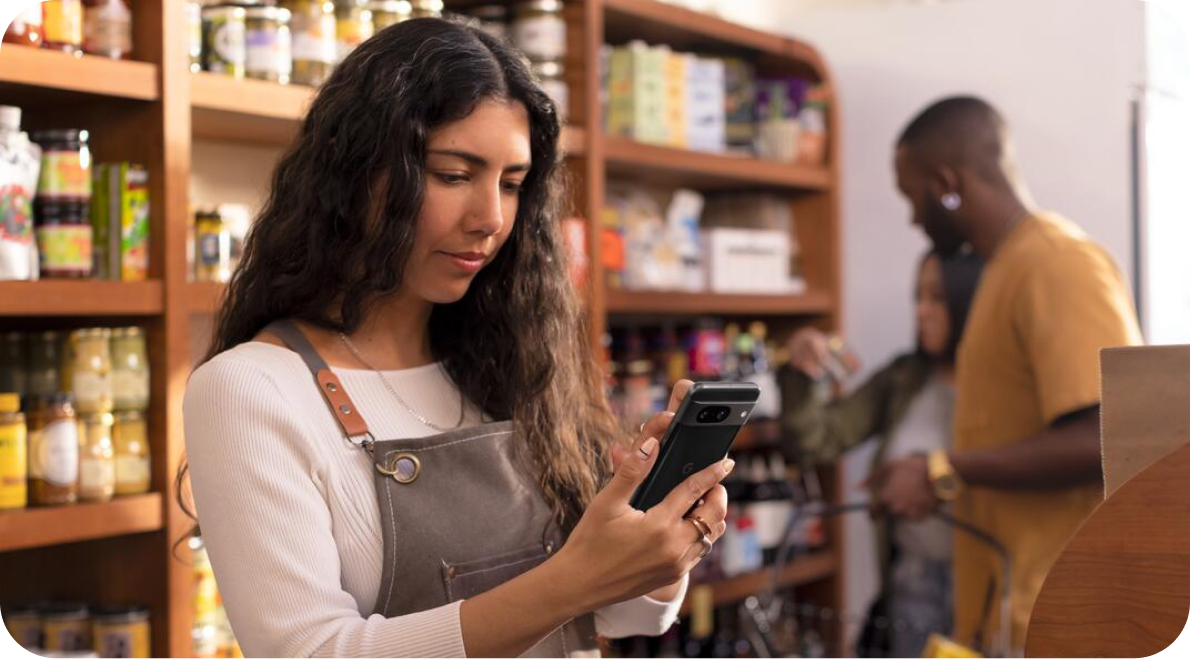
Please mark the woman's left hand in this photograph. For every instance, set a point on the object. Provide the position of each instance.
(711, 509)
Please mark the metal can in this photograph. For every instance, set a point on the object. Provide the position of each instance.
(427, 8)
(223, 48)
(121, 631)
(91, 376)
(269, 44)
(213, 243)
(539, 30)
(353, 26)
(194, 34)
(14, 460)
(551, 77)
(312, 24)
(97, 462)
(24, 625)
(66, 627)
(386, 13)
(131, 444)
(130, 370)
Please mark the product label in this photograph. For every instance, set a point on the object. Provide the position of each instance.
(131, 471)
(213, 249)
(16, 214)
(540, 38)
(13, 466)
(228, 44)
(313, 38)
(55, 456)
(107, 29)
(97, 478)
(91, 390)
(265, 52)
(134, 234)
(65, 248)
(65, 175)
(130, 389)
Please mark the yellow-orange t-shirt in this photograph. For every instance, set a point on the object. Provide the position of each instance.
(1048, 302)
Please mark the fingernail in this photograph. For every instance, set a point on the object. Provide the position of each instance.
(728, 465)
(647, 448)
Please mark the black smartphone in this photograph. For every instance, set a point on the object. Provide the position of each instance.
(701, 433)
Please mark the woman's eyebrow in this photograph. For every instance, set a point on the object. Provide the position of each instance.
(476, 159)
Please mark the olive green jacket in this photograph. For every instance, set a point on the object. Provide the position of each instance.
(814, 433)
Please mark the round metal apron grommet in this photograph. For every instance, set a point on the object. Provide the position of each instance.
(402, 467)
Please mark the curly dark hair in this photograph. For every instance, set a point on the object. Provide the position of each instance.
(334, 236)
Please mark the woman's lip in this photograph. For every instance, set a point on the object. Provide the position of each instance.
(468, 262)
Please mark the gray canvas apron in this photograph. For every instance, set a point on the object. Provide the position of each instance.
(460, 511)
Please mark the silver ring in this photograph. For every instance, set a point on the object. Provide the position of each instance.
(706, 546)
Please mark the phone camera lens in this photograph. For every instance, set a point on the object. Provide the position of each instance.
(714, 414)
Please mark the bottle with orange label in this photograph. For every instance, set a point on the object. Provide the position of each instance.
(63, 25)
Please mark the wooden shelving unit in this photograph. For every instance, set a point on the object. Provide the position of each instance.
(154, 110)
(799, 572)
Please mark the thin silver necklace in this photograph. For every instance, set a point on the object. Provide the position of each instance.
(383, 380)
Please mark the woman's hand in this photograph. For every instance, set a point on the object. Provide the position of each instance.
(809, 352)
(620, 552)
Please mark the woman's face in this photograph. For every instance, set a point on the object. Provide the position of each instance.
(933, 319)
(474, 170)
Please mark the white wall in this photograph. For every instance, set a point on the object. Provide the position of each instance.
(1063, 72)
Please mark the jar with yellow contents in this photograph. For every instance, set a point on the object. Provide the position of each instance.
(91, 375)
(130, 370)
(130, 437)
(14, 444)
(97, 462)
(23, 623)
(66, 627)
(121, 631)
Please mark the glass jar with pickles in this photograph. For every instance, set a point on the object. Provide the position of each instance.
(91, 370)
(130, 370)
(312, 28)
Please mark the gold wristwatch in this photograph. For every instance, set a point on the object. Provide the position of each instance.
(944, 480)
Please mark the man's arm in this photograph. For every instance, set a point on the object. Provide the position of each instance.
(1066, 454)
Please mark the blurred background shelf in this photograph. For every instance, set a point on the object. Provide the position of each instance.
(800, 571)
(658, 303)
(80, 298)
(41, 527)
(708, 171)
(45, 75)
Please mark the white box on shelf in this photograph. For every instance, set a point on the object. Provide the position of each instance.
(706, 119)
(750, 261)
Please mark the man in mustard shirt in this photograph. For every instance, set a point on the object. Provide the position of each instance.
(1025, 462)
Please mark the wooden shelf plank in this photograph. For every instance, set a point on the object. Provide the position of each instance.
(669, 303)
(204, 297)
(667, 165)
(54, 71)
(803, 570)
(80, 298)
(40, 527)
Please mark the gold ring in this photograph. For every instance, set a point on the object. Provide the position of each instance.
(706, 546)
(701, 526)
(642, 427)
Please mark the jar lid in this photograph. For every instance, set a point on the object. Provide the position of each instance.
(99, 419)
(64, 611)
(10, 403)
(216, 10)
(58, 135)
(44, 208)
(61, 398)
(121, 613)
(540, 5)
(267, 12)
(490, 12)
(14, 611)
(131, 416)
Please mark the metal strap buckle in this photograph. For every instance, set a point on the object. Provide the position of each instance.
(364, 441)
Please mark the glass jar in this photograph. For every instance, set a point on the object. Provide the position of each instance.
(26, 28)
(24, 625)
(551, 77)
(107, 28)
(426, 9)
(130, 370)
(493, 19)
(62, 25)
(97, 461)
(64, 239)
(269, 44)
(386, 13)
(312, 25)
(353, 26)
(121, 631)
(66, 627)
(45, 363)
(130, 437)
(14, 375)
(14, 444)
(53, 451)
(91, 375)
(213, 242)
(65, 164)
(224, 50)
(539, 30)
(194, 34)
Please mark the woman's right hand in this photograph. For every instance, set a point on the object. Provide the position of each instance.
(617, 552)
(809, 351)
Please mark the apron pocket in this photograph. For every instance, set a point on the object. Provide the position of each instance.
(471, 578)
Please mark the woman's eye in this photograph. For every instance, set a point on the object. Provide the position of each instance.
(452, 179)
(511, 187)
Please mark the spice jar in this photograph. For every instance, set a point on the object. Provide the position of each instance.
(389, 12)
(121, 631)
(213, 242)
(224, 50)
(53, 451)
(131, 446)
(269, 44)
(426, 9)
(45, 362)
(130, 370)
(26, 28)
(550, 76)
(64, 239)
(539, 30)
(66, 627)
(65, 164)
(24, 625)
(97, 461)
(14, 443)
(312, 25)
(353, 26)
(493, 19)
(91, 376)
(107, 28)
(62, 25)
(14, 376)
